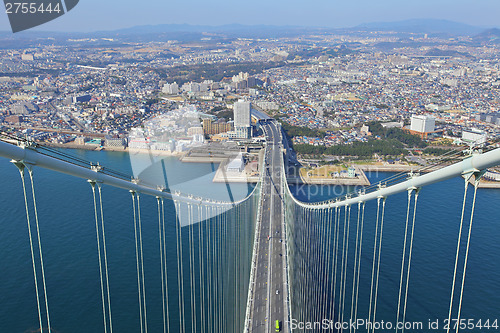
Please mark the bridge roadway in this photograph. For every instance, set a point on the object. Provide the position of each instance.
(270, 291)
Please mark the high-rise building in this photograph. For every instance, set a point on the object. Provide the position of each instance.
(171, 89)
(242, 116)
(210, 128)
(242, 119)
(207, 123)
(422, 124)
(191, 87)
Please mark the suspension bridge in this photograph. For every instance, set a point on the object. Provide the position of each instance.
(266, 263)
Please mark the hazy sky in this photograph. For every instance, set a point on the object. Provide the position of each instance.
(91, 15)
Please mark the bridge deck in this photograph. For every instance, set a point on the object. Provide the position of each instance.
(270, 294)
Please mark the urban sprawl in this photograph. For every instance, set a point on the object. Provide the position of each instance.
(374, 95)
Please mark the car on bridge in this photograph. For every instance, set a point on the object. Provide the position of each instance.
(277, 326)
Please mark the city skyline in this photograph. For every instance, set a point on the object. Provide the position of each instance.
(91, 15)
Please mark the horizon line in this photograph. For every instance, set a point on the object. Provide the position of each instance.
(111, 30)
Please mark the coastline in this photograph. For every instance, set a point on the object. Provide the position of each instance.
(222, 176)
(117, 149)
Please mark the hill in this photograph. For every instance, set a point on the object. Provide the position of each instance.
(425, 26)
(491, 36)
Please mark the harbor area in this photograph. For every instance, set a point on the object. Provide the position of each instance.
(328, 175)
(241, 165)
(244, 168)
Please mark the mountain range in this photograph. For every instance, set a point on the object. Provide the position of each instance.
(489, 36)
(432, 27)
(426, 26)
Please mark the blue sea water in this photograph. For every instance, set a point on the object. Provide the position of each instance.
(67, 228)
(433, 257)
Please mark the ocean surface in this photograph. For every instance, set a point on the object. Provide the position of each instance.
(67, 229)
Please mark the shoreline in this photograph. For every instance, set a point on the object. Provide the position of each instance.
(184, 157)
(115, 149)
